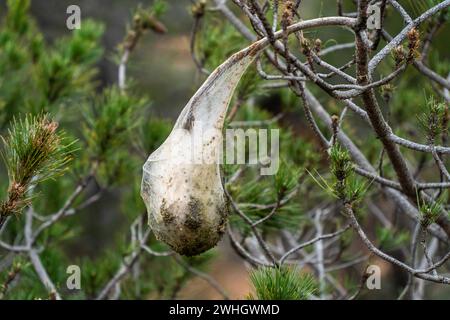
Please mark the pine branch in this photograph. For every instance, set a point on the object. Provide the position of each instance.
(33, 151)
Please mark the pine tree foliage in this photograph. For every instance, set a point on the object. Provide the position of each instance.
(33, 152)
(89, 144)
(282, 284)
(73, 149)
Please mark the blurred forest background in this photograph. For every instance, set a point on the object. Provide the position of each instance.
(162, 68)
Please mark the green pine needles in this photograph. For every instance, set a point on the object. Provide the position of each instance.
(344, 186)
(109, 122)
(33, 151)
(434, 120)
(429, 212)
(281, 283)
(59, 210)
